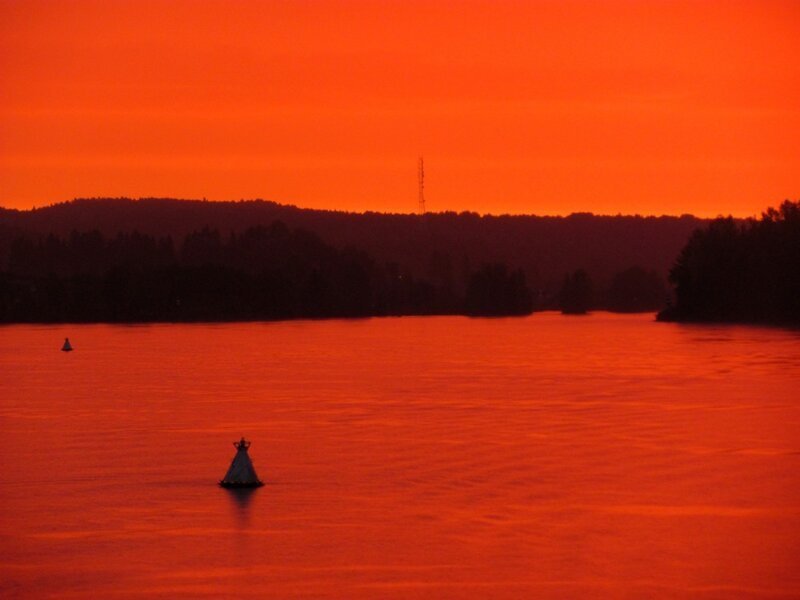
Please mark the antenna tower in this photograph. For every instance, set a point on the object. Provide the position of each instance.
(421, 176)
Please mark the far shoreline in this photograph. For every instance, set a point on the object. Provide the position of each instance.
(548, 312)
(328, 318)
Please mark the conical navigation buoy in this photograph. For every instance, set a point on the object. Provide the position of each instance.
(241, 473)
(67, 347)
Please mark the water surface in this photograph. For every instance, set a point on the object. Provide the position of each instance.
(547, 457)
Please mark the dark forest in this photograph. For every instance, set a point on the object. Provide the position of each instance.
(263, 273)
(162, 259)
(545, 248)
(113, 271)
(733, 271)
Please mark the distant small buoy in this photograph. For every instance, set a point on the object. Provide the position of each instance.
(67, 347)
(241, 473)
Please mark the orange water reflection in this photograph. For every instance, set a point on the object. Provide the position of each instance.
(546, 457)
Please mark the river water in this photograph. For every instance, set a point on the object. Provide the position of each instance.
(606, 456)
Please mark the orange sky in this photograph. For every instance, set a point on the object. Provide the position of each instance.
(523, 107)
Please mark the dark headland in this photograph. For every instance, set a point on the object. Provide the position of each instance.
(740, 271)
(124, 260)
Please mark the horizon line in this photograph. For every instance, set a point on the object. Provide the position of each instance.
(372, 211)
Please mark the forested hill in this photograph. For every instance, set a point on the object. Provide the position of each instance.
(546, 248)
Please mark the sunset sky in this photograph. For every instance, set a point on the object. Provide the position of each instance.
(518, 107)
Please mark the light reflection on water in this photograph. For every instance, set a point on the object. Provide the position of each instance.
(547, 457)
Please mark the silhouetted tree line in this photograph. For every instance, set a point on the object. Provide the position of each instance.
(269, 272)
(437, 247)
(740, 271)
(262, 273)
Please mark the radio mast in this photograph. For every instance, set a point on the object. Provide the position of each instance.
(421, 176)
